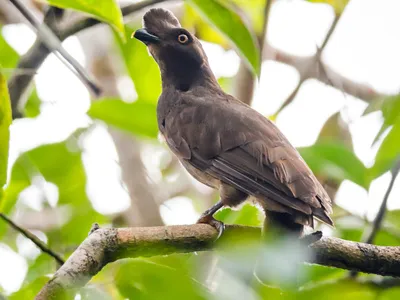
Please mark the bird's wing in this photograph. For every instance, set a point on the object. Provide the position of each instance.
(240, 147)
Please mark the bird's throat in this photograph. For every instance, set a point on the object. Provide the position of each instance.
(184, 77)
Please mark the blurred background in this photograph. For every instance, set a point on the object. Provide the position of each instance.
(328, 75)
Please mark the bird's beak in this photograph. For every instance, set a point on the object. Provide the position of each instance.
(144, 36)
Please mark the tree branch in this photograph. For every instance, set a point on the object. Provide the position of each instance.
(34, 58)
(34, 239)
(314, 62)
(107, 245)
(38, 52)
(52, 42)
(370, 234)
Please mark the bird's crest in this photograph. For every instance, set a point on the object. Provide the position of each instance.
(157, 19)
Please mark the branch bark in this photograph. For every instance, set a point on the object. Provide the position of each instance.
(107, 245)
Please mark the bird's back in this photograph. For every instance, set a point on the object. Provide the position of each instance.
(214, 133)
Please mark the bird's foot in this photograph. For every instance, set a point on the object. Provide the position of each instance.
(209, 219)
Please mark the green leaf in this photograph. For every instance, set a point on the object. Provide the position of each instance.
(233, 27)
(340, 289)
(141, 67)
(71, 183)
(338, 5)
(248, 215)
(30, 290)
(105, 10)
(143, 279)
(8, 57)
(393, 218)
(390, 107)
(70, 180)
(388, 152)
(5, 121)
(20, 179)
(32, 106)
(138, 117)
(390, 294)
(336, 161)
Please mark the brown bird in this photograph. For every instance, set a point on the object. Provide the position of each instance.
(223, 142)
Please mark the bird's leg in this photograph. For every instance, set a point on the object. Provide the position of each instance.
(207, 218)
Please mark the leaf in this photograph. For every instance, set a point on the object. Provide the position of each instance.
(336, 161)
(70, 179)
(5, 121)
(390, 108)
(138, 117)
(338, 5)
(30, 290)
(32, 106)
(339, 289)
(390, 294)
(71, 183)
(393, 218)
(20, 179)
(248, 215)
(141, 67)
(388, 152)
(8, 57)
(143, 279)
(105, 10)
(233, 27)
(193, 21)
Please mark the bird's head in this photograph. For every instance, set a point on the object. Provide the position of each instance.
(179, 54)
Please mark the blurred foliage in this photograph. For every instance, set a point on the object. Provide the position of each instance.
(143, 279)
(5, 121)
(389, 151)
(138, 117)
(107, 11)
(32, 106)
(230, 24)
(338, 5)
(333, 159)
(8, 62)
(224, 274)
(8, 57)
(141, 67)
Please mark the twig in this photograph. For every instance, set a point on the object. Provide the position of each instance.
(52, 42)
(42, 246)
(107, 245)
(263, 35)
(316, 60)
(89, 22)
(244, 90)
(382, 209)
(34, 58)
(370, 234)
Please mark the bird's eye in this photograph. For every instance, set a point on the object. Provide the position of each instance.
(183, 38)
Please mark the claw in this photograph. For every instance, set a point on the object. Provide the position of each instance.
(220, 226)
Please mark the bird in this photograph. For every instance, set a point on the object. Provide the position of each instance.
(223, 142)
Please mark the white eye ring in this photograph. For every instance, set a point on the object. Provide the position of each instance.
(183, 38)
